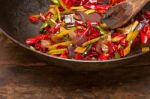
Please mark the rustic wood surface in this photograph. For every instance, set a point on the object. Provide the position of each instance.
(22, 76)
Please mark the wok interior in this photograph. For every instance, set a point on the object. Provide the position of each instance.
(14, 18)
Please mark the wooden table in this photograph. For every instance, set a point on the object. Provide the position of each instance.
(22, 76)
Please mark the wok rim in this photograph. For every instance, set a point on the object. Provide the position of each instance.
(71, 60)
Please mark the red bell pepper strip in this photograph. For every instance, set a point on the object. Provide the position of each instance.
(34, 40)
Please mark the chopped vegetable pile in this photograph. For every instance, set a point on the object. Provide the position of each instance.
(73, 29)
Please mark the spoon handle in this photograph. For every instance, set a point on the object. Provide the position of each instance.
(137, 5)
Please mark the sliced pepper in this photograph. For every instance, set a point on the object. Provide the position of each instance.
(58, 13)
(78, 8)
(80, 49)
(132, 35)
(90, 11)
(90, 42)
(127, 49)
(44, 25)
(55, 2)
(101, 30)
(129, 28)
(64, 32)
(67, 43)
(57, 51)
(145, 49)
(117, 55)
(118, 38)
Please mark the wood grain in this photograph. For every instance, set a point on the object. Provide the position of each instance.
(22, 76)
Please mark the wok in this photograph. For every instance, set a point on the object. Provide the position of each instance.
(15, 25)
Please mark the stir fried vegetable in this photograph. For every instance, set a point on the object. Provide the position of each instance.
(73, 29)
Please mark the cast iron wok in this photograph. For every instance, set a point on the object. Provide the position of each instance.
(15, 25)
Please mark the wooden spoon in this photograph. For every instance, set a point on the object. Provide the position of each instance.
(121, 13)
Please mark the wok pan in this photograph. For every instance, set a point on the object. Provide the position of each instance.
(15, 25)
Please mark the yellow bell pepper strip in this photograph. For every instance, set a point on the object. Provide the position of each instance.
(90, 42)
(132, 35)
(145, 49)
(44, 25)
(78, 8)
(118, 38)
(57, 51)
(129, 28)
(93, 40)
(104, 26)
(64, 32)
(52, 47)
(117, 55)
(130, 38)
(89, 11)
(127, 49)
(55, 2)
(50, 22)
(102, 31)
(80, 50)
(58, 13)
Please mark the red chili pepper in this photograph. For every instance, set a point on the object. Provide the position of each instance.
(102, 7)
(55, 28)
(42, 17)
(147, 31)
(78, 56)
(115, 34)
(145, 34)
(64, 55)
(34, 40)
(94, 23)
(121, 52)
(117, 37)
(79, 2)
(80, 23)
(112, 48)
(82, 32)
(48, 15)
(93, 33)
(103, 56)
(68, 3)
(147, 14)
(40, 48)
(91, 55)
(34, 19)
(37, 46)
(93, 1)
(116, 1)
(61, 47)
(124, 43)
(97, 6)
(90, 6)
(144, 38)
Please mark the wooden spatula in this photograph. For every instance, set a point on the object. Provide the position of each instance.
(121, 13)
